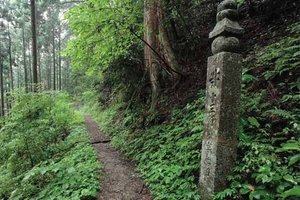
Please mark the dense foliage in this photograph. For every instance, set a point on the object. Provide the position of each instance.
(125, 55)
(102, 32)
(271, 136)
(168, 154)
(45, 152)
(270, 141)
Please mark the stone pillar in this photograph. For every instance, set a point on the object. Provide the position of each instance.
(222, 102)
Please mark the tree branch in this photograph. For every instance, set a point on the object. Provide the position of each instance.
(156, 53)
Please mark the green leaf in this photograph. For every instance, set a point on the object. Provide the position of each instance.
(253, 121)
(289, 178)
(247, 78)
(236, 184)
(294, 159)
(295, 191)
(290, 146)
(244, 191)
(71, 170)
(28, 176)
(254, 195)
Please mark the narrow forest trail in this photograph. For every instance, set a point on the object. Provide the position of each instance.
(119, 179)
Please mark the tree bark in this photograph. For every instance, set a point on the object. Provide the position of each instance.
(39, 46)
(54, 60)
(19, 74)
(30, 71)
(34, 44)
(1, 83)
(11, 76)
(39, 69)
(168, 51)
(158, 51)
(24, 60)
(49, 72)
(151, 37)
(59, 58)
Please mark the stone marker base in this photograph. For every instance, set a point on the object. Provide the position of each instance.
(221, 122)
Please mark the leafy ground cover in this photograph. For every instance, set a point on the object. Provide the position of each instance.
(45, 152)
(270, 137)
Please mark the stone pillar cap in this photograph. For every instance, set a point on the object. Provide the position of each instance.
(227, 4)
(226, 27)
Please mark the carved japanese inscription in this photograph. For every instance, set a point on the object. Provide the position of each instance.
(222, 102)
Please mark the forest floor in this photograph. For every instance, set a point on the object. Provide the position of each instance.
(119, 178)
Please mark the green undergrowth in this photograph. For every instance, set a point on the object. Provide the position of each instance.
(168, 154)
(45, 151)
(269, 151)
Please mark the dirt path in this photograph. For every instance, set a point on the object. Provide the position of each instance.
(120, 181)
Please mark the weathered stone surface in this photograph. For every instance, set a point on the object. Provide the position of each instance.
(225, 44)
(222, 102)
(226, 27)
(227, 4)
(221, 122)
(228, 13)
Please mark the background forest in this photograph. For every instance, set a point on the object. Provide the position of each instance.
(139, 67)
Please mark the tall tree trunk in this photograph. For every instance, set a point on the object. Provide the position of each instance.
(30, 71)
(10, 61)
(168, 51)
(59, 58)
(49, 72)
(39, 68)
(1, 84)
(158, 49)
(151, 37)
(19, 78)
(54, 60)
(34, 44)
(24, 60)
(39, 46)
